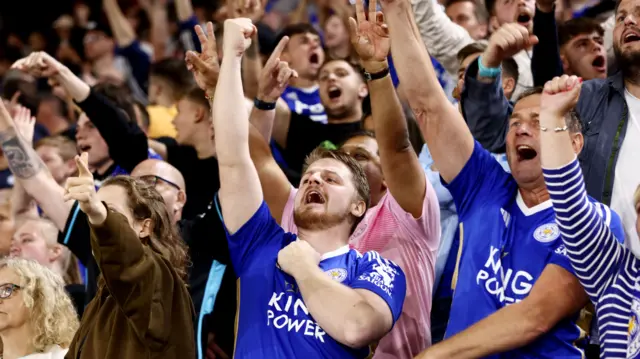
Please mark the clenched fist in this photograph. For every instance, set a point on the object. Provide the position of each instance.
(298, 257)
(237, 35)
(505, 42)
(561, 94)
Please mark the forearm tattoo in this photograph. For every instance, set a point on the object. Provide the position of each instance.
(24, 162)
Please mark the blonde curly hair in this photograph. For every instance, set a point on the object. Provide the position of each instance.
(52, 316)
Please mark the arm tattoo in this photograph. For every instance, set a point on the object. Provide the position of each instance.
(23, 160)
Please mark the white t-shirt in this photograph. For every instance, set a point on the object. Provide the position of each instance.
(627, 175)
(53, 352)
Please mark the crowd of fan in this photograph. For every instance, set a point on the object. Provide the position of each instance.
(322, 179)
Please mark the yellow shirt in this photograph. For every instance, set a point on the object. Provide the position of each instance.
(160, 121)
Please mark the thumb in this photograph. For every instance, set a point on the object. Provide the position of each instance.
(353, 30)
(82, 162)
(533, 40)
(196, 61)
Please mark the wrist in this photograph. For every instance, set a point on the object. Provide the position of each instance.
(373, 67)
(305, 272)
(489, 61)
(267, 99)
(99, 216)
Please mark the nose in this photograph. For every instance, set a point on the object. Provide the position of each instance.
(524, 129)
(630, 19)
(315, 178)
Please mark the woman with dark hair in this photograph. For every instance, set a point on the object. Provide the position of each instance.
(142, 308)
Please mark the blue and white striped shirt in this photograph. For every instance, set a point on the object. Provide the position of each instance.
(607, 270)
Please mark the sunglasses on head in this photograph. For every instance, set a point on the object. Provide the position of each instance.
(153, 180)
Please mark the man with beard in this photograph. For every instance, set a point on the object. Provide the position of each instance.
(307, 295)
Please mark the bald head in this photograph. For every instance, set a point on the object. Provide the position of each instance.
(159, 168)
(167, 180)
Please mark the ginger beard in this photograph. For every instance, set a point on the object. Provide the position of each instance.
(309, 216)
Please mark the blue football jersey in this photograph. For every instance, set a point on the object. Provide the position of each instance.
(305, 102)
(505, 248)
(273, 321)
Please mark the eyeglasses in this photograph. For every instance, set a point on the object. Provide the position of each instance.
(6, 290)
(153, 180)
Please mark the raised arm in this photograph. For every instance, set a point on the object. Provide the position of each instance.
(128, 269)
(594, 252)
(402, 171)
(122, 30)
(240, 192)
(442, 126)
(159, 33)
(22, 204)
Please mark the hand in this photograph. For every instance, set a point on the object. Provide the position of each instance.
(275, 75)
(251, 9)
(39, 64)
(298, 257)
(24, 123)
(369, 35)
(507, 41)
(205, 66)
(83, 190)
(213, 350)
(561, 94)
(237, 36)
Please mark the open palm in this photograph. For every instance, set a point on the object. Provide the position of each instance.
(369, 33)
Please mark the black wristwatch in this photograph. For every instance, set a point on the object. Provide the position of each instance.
(262, 105)
(375, 76)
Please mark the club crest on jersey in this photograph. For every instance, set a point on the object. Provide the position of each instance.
(634, 331)
(337, 274)
(547, 233)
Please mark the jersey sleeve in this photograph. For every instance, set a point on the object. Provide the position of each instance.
(384, 278)
(558, 256)
(254, 239)
(480, 178)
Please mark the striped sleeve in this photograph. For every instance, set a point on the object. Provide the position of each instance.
(594, 252)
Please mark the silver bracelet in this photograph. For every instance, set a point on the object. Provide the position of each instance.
(557, 129)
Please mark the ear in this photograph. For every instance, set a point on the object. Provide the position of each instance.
(565, 64)
(577, 142)
(358, 208)
(363, 91)
(482, 30)
(182, 199)
(200, 114)
(55, 252)
(70, 167)
(145, 228)
(493, 24)
(508, 85)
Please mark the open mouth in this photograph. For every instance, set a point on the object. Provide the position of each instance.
(334, 92)
(630, 37)
(84, 148)
(526, 153)
(599, 62)
(314, 196)
(524, 18)
(314, 59)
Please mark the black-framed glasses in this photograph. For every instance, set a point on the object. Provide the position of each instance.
(7, 290)
(153, 180)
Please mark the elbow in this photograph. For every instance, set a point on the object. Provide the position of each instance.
(358, 333)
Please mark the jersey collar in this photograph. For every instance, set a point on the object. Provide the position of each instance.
(533, 210)
(335, 253)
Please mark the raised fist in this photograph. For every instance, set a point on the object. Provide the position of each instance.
(298, 257)
(561, 94)
(237, 35)
(507, 41)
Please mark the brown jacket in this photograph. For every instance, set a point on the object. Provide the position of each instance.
(142, 309)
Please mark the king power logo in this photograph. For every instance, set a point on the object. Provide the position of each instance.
(288, 312)
(509, 286)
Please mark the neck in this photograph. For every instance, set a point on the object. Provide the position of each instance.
(102, 168)
(326, 240)
(633, 86)
(203, 144)
(341, 51)
(375, 198)
(14, 344)
(302, 82)
(534, 196)
(103, 61)
(354, 116)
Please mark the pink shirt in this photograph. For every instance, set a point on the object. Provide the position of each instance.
(413, 245)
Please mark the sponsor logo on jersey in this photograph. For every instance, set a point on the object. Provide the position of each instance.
(287, 312)
(547, 233)
(383, 273)
(508, 286)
